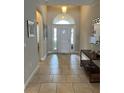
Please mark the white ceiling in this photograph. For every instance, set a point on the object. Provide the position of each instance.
(68, 2)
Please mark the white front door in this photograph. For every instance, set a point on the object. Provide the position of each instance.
(64, 40)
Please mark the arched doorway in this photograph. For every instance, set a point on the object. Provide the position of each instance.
(39, 21)
(63, 34)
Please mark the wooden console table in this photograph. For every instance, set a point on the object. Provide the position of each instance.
(91, 65)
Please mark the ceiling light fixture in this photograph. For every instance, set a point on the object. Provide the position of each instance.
(64, 9)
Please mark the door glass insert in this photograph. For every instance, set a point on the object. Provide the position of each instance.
(55, 39)
(72, 36)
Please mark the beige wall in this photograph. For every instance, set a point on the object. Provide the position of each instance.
(88, 13)
(31, 57)
(30, 48)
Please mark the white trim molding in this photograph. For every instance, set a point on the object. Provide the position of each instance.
(43, 58)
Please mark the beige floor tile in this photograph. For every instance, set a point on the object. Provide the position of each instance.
(64, 84)
(57, 71)
(80, 84)
(59, 78)
(73, 75)
(43, 67)
(61, 74)
(74, 62)
(48, 88)
(82, 88)
(45, 71)
(32, 88)
(66, 72)
(46, 78)
(65, 88)
(96, 91)
(54, 66)
(35, 79)
(65, 67)
(77, 67)
(84, 78)
(41, 78)
(73, 78)
(95, 87)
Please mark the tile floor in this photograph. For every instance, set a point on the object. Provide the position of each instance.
(61, 74)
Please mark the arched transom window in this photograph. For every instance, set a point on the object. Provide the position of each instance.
(63, 19)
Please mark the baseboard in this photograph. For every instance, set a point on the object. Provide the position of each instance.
(30, 77)
(43, 58)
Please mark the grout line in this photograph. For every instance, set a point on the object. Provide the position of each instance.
(56, 87)
(73, 87)
(39, 88)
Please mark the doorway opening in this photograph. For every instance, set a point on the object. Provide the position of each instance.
(39, 25)
(63, 34)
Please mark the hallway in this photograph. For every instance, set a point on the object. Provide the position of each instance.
(61, 74)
